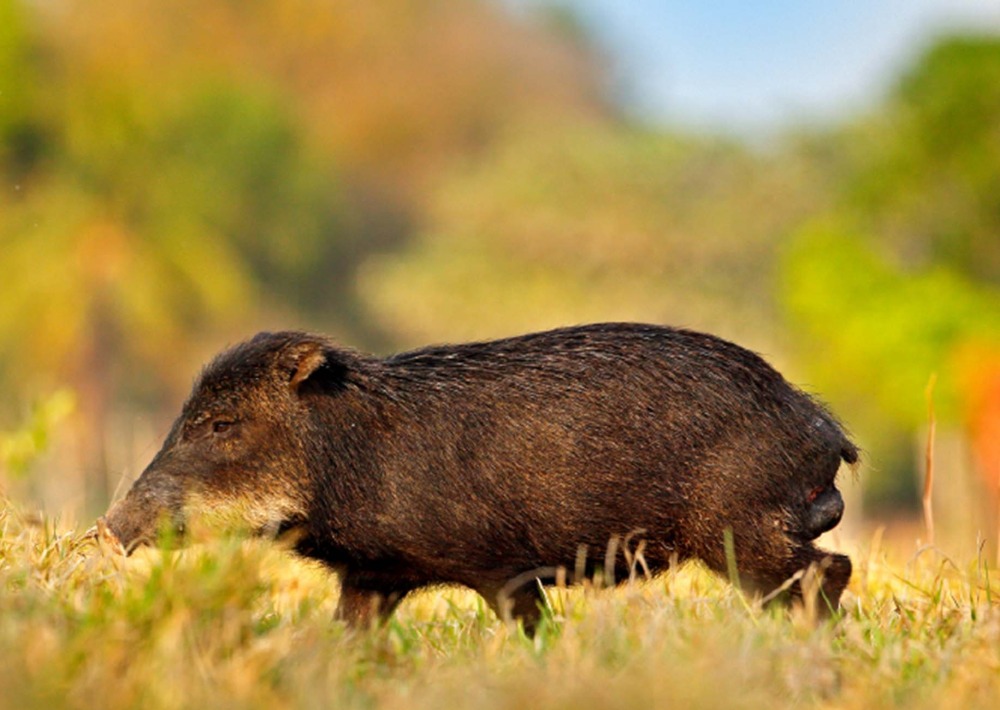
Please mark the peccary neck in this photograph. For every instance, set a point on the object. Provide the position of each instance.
(348, 473)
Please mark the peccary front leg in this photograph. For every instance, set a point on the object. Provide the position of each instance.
(363, 604)
(832, 570)
(835, 572)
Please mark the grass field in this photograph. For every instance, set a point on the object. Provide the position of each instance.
(238, 624)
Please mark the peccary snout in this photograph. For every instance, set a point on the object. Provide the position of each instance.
(152, 503)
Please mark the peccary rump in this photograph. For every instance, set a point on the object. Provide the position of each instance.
(488, 464)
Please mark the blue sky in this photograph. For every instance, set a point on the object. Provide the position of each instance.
(754, 65)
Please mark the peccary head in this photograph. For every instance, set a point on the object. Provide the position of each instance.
(237, 452)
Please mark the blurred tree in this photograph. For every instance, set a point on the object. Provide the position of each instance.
(142, 228)
(395, 90)
(23, 58)
(112, 268)
(568, 223)
(392, 93)
(931, 183)
(170, 170)
(901, 279)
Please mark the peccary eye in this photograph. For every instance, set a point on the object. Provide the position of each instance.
(221, 426)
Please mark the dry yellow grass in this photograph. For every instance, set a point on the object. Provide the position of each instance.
(244, 624)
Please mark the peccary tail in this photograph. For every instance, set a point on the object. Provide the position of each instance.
(849, 452)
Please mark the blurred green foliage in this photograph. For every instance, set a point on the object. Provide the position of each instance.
(175, 175)
(595, 222)
(878, 332)
(928, 170)
(900, 278)
(19, 449)
(153, 205)
(177, 170)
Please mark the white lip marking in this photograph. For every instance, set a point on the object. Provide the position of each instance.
(240, 513)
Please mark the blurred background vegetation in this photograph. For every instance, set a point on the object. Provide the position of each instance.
(176, 175)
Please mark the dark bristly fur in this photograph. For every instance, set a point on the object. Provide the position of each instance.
(478, 463)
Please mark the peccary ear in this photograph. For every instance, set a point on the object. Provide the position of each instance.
(314, 364)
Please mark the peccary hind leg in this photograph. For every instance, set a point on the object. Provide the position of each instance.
(523, 603)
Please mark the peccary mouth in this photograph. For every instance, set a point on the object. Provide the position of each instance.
(177, 535)
(825, 509)
(132, 527)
